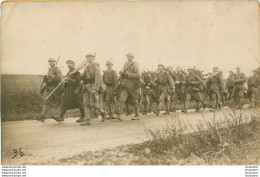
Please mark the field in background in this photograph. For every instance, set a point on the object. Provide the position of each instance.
(20, 97)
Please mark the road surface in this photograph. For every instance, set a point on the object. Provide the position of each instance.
(43, 143)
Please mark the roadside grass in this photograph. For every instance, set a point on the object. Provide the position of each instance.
(233, 140)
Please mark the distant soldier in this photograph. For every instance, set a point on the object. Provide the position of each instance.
(179, 80)
(146, 81)
(130, 85)
(165, 86)
(230, 85)
(110, 78)
(92, 81)
(254, 86)
(239, 79)
(215, 86)
(52, 80)
(70, 100)
(193, 90)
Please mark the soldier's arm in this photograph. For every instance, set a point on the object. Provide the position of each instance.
(136, 73)
(170, 80)
(98, 77)
(75, 78)
(56, 76)
(115, 77)
(198, 80)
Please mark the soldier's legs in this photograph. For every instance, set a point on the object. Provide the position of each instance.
(95, 105)
(167, 105)
(146, 104)
(110, 105)
(87, 110)
(213, 99)
(187, 102)
(123, 97)
(134, 94)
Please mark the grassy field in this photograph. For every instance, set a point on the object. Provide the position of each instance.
(20, 98)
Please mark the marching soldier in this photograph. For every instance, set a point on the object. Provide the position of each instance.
(180, 79)
(230, 85)
(110, 78)
(129, 86)
(92, 81)
(52, 80)
(70, 100)
(193, 89)
(239, 79)
(146, 81)
(166, 87)
(254, 84)
(215, 85)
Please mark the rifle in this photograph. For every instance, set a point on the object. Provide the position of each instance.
(43, 87)
(73, 72)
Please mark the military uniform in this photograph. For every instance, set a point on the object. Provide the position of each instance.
(52, 80)
(215, 85)
(193, 89)
(230, 86)
(180, 80)
(146, 82)
(70, 100)
(254, 86)
(110, 79)
(165, 86)
(129, 86)
(239, 79)
(90, 91)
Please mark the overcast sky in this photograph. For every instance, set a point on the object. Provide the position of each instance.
(202, 34)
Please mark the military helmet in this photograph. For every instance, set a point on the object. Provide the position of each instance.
(215, 67)
(190, 68)
(109, 62)
(130, 54)
(238, 67)
(51, 60)
(91, 54)
(70, 61)
(161, 65)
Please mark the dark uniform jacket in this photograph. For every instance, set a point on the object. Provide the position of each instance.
(69, 99)
(110, 79)
(164, 81)
(132, 77)
(193, 82)
(92, 76)
(239, 79)
(52, 79)
(215, 81)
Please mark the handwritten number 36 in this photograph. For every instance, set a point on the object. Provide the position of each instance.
(16, 153)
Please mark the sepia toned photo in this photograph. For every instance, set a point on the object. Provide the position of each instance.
(130, 83)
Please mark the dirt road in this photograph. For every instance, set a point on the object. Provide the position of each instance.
(43, 143)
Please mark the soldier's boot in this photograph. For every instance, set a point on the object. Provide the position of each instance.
(136, 117)
(104, 116)
(145, 109)
(212, 105)
(186, 106)
(44, 111)
(128, 111)
(87, 120)
(167, 112)
(82, 116)
(197, 107)
(58, 119)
